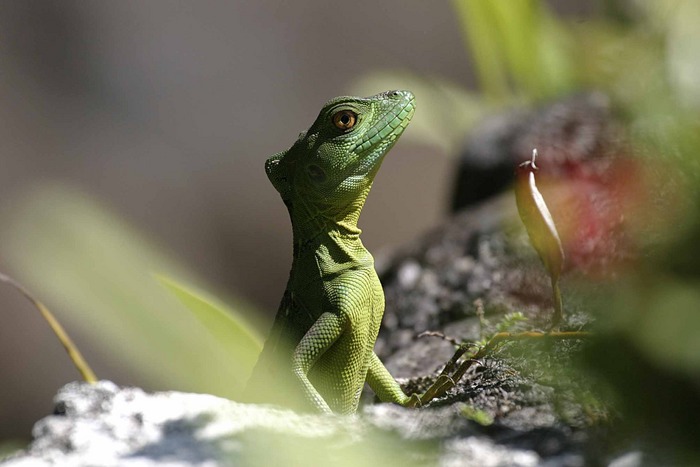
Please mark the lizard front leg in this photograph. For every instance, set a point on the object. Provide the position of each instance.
(317, 340)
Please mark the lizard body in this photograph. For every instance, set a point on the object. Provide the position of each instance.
(329, 317)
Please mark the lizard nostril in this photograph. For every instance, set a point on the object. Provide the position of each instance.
(393, 93)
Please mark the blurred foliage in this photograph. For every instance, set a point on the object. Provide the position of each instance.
(374, 447)
(644, 55)
(229, 329)
(95, 270)
(661, 314)
(9, 447)
(518, 49)
(476, 415)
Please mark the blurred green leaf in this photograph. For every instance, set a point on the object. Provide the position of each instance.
(660, 313)
(238, 338)
(484, 40)
(375, 447)
(9, 447)
(683, 60)
(519, 49)
(95, 271)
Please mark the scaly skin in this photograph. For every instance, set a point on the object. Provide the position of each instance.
(330, 313)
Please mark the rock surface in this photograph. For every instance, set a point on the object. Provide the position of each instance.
(104, 425)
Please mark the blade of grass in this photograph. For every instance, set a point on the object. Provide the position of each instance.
(76, 357)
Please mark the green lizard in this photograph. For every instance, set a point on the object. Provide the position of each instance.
(329, 318)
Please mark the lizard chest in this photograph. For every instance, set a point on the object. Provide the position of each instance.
(340, 373)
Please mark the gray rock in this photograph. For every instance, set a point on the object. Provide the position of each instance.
(104, 425)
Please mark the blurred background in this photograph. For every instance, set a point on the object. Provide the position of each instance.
(133, 137)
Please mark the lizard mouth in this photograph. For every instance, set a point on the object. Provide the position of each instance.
(395, 112)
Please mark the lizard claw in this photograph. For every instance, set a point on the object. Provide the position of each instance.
(414, 401)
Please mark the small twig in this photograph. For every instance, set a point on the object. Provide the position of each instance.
(72, 350)
(451, 340)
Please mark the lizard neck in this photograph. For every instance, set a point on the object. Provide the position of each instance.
(312, 222)
(330, 240)
(310, 229)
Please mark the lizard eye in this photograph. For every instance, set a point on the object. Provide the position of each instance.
(344, 119)
(316, 173)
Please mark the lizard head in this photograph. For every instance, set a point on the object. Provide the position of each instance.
(333, 164)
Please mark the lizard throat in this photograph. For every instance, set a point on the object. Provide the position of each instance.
(312, 226)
